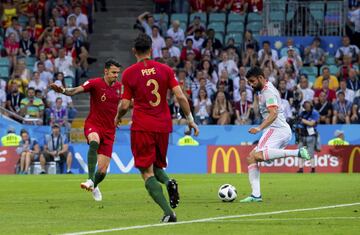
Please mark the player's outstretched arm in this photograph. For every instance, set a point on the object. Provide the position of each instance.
(123, 107)
(67, 91)
(273, 110)
(184, 104)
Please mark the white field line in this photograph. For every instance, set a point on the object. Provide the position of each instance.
(288, 219)
(212, 219)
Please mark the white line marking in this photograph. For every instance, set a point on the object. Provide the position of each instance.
(212, 219)
(288, 219)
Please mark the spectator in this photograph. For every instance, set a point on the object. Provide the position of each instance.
(196, 24)
(29, 151)
(11, 138)
(232, 53)
(59, 115)
(167, 59)
(197, 39)
(347, 49)
(218, 6)
(339, 139)
(249, 39)
(287, 110)
(22, 72)
(228, 65)
(330, 94)
(35, 30)
(202, 108)
(82, 54)
(52, 96)
(48, 64)
(178, 116)
(176, 33)
(35, 9)
(307, 92)
(81, 19)
(222, 110)
(32, 107)
(49, 47)
(201, 82)
(13, 100)
(158, 42)
(314, 55)
(12, 49)
(14, 28)
(243, 110)
(228, 84)
(209, 51)
(28, 47)
(243, 86)
(21, 84)
(291, 59)
(59, 19)
(198, 5)
(64, 64)
(210, 36)
(353, 82)
(285, 93)
(324, 108)
(55, 32)
(38, 84)
(334, 83)
(354, 18)
(45, 76)
(209, 72)
(173, 50)
(238, 6)
(343, 72)
(349, 94)
(147, 22)
(9, 10)
(342, 109)
(250, 57)
(289, 44)
(255, 6)
(189, 49)
(63, 7)
(355, 112)
(267, 53)
(269, 75)
(56, 148)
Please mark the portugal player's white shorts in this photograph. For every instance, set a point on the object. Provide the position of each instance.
(275, 138)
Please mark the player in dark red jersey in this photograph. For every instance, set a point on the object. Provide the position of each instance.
(99, 129)
(147, 83)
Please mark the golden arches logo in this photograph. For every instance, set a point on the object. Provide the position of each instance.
(226, 155)
(352, 158)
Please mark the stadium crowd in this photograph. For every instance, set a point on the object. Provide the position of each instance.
(42, 42)
(212, 72)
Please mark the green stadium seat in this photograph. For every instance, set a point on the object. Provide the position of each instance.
(217, 27)
(220, 37)
(317, 6)
(4, 72)
(330, 60)
(30, 61)
(4, 61)
(235, 27)
(311, 70)
(217, 17)
(180, 17)
(277, 16)
(69, 81)
(183, 26)
(164, 17)
(201, 15)
(311, 79)
(254, 17)
(233, 17)
(256, 27)
(238, 37)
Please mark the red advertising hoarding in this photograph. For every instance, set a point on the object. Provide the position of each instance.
(8, 160)
(232, 159)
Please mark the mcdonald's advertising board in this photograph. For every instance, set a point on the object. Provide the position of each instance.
(232, 159)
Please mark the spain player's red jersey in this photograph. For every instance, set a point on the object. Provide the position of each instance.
(104, 100)
(147, 82)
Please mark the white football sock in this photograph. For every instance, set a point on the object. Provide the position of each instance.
(254, 178)
(270, 154)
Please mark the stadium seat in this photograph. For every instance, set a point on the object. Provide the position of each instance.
(201, 15)
(311, 79)
(30, 61)
(23, 20)
(235, 27)
(333, 69)
(183, 26)
(220, 37)
(330, 60)
(256, 27)
(254, 17)
(233, 17)
(217, 17)
(183, 18)
(4, 61)
(317, 10)
(69, 81)
(277, 16)
(164, 17)
(238, 37)
(4, 72)
(310, 71)
(217, 27)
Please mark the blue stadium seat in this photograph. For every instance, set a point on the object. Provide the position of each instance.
(330, 60)
(220, 37)
(4, 72)
(256, 27)
(69, 81)
(164, 17)
(30, 61)
(217, 27)
(201, 15)
(310, 71)
(238, 37)
(235, 27)
(180, 17)
(254, 17)
(183, 26)
(311, 79)
(233, 17)
(217, 17)
(4, 61)
(277, 16)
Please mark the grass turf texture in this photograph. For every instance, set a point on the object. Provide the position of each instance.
(55, 204)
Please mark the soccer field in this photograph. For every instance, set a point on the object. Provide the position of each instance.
(55, 204)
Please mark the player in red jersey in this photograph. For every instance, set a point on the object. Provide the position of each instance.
(147, 83)
(99, 129)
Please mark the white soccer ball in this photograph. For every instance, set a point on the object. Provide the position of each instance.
(227, 193)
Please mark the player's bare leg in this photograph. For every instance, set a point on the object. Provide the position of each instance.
(155, 191)
(94, 141)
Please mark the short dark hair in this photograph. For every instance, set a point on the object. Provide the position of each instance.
(142, 43)
(266, 42)
(255, 72)
(109, 62)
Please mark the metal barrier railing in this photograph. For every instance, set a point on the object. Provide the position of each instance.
(297, 18)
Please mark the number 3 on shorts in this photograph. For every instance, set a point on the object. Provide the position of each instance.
(155, 92)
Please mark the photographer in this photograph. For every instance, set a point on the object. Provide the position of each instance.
(308, 134)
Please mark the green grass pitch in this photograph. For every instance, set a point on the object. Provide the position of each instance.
(55, 204)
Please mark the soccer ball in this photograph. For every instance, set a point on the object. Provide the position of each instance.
(227, 193)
